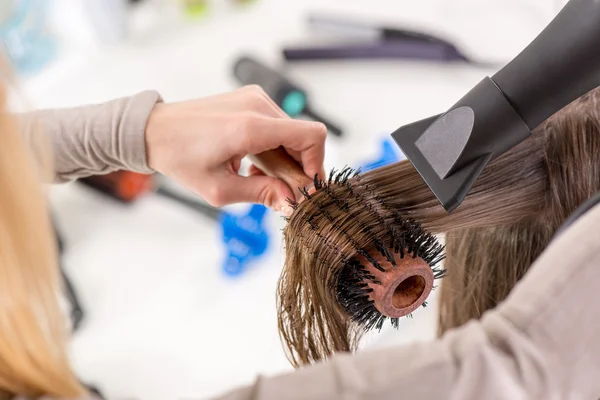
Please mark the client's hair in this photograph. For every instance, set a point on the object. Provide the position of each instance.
(33, 329)
(493, 236)
(486, 263)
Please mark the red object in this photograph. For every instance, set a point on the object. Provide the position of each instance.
(122, 185)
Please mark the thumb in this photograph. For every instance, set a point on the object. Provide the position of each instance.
(258, 189)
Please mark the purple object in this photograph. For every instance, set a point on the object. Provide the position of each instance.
(388, 49)
(377, 42)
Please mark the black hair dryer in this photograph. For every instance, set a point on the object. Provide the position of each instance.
(450, 150)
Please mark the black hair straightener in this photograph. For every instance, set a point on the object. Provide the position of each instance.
(451, 150)
(368, 40)
(76, 310)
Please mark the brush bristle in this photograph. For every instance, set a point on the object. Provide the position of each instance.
(353, 291)
(403, 236)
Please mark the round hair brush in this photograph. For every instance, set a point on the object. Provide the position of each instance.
(390, 278)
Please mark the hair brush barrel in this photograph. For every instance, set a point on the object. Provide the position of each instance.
(380, 282)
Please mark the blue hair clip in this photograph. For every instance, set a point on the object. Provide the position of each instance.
(244, 235)
(388, 154)
(245, 238)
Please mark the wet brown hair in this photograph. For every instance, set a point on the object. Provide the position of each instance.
(492, 237)
(486, 263)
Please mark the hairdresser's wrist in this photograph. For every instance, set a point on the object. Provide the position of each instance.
(132, 124)
(156, 137)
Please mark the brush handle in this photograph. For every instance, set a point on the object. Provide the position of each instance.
(279, 164)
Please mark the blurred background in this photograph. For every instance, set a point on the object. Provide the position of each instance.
(170, 298)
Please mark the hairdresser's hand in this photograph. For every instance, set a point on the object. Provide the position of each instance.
(201, 144)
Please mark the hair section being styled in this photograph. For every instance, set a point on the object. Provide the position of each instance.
(486, 263)
(492, 237)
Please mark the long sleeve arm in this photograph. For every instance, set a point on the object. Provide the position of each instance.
(540, 343)
(94, 139)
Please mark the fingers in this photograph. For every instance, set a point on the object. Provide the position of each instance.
(254, 170)
(305, 140)
(258, 189)
(305, 137)
(214, 134)
(322, 174)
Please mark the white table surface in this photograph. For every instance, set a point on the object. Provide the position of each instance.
(162, 321)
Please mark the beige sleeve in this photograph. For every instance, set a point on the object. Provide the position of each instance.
(94, 139)
(541, 343)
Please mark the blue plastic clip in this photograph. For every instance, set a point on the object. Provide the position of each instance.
(245, 239)
(389, 154)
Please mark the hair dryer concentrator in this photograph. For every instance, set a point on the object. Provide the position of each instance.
(450, 150)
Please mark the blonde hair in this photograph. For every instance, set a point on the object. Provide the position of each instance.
(33, 360)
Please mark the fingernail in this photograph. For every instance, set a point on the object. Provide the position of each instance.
(321, 126)
(286, 210)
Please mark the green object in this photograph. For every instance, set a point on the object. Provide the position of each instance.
(294, 103)
(196, 8)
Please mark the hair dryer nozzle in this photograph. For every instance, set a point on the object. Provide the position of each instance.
(450, 150)
(561, 64)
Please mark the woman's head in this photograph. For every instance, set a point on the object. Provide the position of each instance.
(525, 189)
(33, 359)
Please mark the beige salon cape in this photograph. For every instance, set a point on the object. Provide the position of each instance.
(543, 342)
